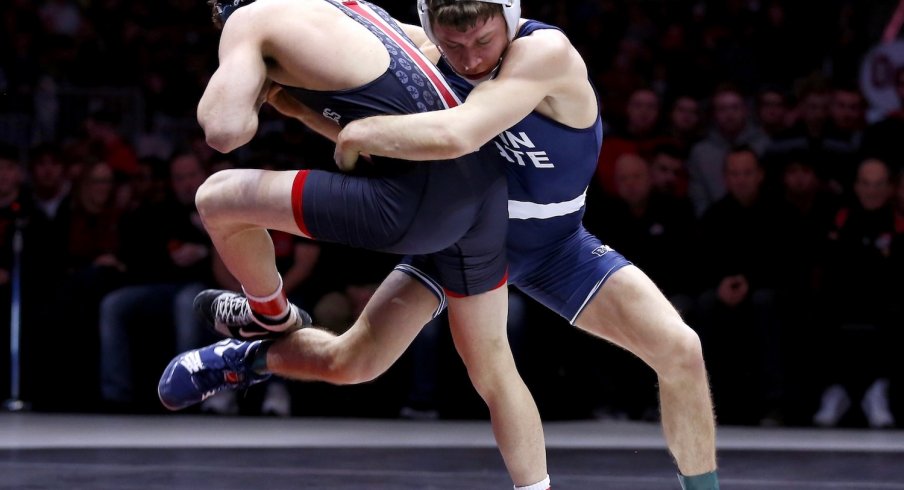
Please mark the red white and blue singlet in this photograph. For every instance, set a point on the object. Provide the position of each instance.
(448, 215)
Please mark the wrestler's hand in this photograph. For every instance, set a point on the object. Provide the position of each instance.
(283, 102)
(345, 155)
(289, 106)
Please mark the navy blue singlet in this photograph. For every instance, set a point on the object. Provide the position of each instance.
(552, 257)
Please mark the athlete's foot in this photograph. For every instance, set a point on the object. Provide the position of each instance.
(230, 315)
(196, 375)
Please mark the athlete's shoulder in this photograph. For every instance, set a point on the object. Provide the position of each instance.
(541, 40)
(268, 16)
(545, 53)
(279, 28)
(254, 20)
(529, 26)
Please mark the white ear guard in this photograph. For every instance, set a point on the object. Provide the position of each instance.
(511, 10)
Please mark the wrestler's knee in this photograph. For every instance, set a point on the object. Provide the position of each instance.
(209, 196)
(491, 371)
(231, 198)
(682, 356)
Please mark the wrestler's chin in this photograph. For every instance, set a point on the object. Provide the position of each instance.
(478, 76)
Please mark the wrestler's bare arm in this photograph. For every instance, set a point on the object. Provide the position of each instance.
(228, 110)
(289, 106)
(535, 69)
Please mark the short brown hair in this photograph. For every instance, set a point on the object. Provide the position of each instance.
(461, 15)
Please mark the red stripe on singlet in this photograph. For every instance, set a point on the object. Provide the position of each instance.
(425, 66)
(498, 285)
(297, 188)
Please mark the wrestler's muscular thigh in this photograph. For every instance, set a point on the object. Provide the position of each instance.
(630, 311)
(248, 198)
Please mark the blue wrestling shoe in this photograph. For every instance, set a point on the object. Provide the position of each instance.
(193, 376)
(229, 314)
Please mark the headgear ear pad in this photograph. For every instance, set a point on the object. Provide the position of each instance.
(511, 10)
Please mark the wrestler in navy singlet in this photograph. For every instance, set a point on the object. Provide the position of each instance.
(453, 211)
(552, 257)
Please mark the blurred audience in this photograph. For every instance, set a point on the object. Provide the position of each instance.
(737, 315)
(166, 255)
(98, 102)
(861, 298)
(732, 126)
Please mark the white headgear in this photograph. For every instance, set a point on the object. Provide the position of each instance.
(511, 10)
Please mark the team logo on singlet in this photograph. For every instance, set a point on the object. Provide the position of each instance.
(601, 250)
(331, 115)
(518, 148)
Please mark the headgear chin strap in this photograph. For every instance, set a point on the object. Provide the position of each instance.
(511, 10)
(225, 8)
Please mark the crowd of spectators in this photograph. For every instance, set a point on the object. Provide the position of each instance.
(739, 169)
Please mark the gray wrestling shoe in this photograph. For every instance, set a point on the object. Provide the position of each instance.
(229, 314)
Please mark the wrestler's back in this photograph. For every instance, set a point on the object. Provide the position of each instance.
(311, 44)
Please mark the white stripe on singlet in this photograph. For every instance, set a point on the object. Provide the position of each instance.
(428, 282)
(528, 210)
